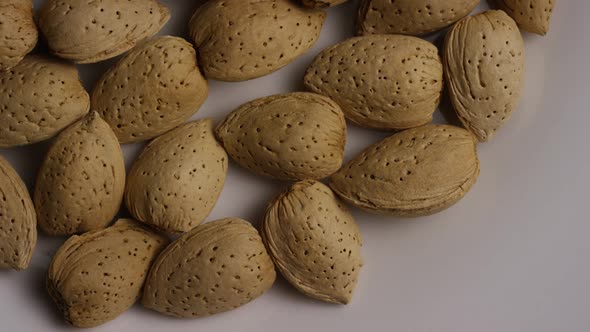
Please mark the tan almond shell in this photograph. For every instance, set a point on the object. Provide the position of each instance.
(95, 277)
(240, 40)
(39, 97)
(413, 173)
(18, 223)
(18, 33)
(380, 81)
(314, 241)
(410, 17)
(93, 31)
(177, 179)
(293, 136)
(322, 3)
(531, 15)
(484, 70)
(216, 267)
(81, 182)
(154, 88)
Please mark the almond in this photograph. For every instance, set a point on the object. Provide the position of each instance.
(95, 277)
(410, 17)
(38, 98)
(81, 181)
(92, 31)
(240, 40)
(18, 223)
(214, 268)
(381, 81)
(314, 241)
(291, 136)
(178, 177)
(154, 88)
(417, 172)
(484, 70)
(531, 15)
(18, 33)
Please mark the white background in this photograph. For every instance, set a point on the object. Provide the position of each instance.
(512, 256)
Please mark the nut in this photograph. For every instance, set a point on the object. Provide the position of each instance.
(176, 180)
(416, 172)
(291, 136)
(216, 267)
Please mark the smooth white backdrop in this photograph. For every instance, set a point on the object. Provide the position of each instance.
(512, 256)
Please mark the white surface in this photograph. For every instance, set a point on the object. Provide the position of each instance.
(511, 257)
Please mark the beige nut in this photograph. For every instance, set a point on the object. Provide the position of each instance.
(178, 177)
(380, 81)
(92, 31)
(314, 241)
(216, 267)
(81, 182)
(416, 172)
(154, 88)
(410, 17)
(291, 136)
(18, 33)
(484, 71)
(95, 277)
(240, 40)
(531, 15)
(39, 97)
(18, 223)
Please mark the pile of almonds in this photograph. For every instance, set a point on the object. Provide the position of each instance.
(386, 78)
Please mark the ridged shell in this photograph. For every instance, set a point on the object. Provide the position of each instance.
(39, 97)
(18, 223)
(240, 40)
(484, 70)
(314, 241)
(381, 81)
(531, 15)
(81, 182)
(154, 88)
(410, 17)
(92, 31)
(178, 177)
(95, 277)
(216, 267)
(291, 136)
(18, 33)
(417, 172)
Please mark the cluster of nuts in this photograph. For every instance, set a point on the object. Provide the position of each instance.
(385, 78)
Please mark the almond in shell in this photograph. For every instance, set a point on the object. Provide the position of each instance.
(380, 81)
(216, 267)
(240, 40)
(154, 88)
(81, 181)
(18, 223)
(291, 136)
(18, 33)
(410, 17)
(39, 97)
(176, 180)
(95, 277)
(413, 173)
(314, 241)
(531, 15)
(484, 70)
(92, 31)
